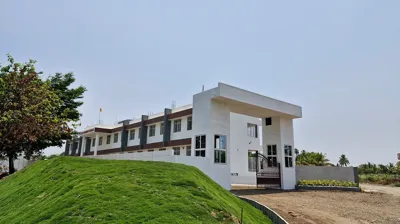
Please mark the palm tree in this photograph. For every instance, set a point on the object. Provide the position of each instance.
(343, 161)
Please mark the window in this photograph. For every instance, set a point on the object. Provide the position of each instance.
(252, 160)
(152, 131)
(177, 151)
(200, 146)
(163, 149)
(219, 149)
(162, 129)
(139, 132)
(252, 130)
(132, 134)
(93, 141)
(219, 156)
(188, 150)
(288, 156)
(219, 142)
(150, 150)
(139, 151)
(201, 153)
(271, 156)
(108, 139)
(100, 141)
(177, 125)
(115, 137)
(268, 121)
(189, 123)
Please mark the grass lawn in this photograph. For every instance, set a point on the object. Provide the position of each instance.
(384, 179)
(78, 190)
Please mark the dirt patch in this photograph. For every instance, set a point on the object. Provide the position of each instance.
(322, 207)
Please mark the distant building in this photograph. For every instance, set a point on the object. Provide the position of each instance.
(233, 135)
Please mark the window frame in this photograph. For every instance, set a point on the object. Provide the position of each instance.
(108, 140)
(115, 138)
(288, 156)
(100, 140)
(175, 150)
(93, 142)
(132, 134)
(152, 130)
(162, 149)
(188, 150)
(249, 167)
(162, 128)
(250, 133)
(200, 151)
(177, 124)
(189, 124)
(272, 155)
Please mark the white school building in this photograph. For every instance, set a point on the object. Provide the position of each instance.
(233, 135)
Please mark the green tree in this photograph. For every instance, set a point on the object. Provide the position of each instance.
(343, 160)
(312, 159)
(70, 102)
(28, 110)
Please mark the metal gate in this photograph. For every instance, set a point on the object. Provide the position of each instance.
(268, 172)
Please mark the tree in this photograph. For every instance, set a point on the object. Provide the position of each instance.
(312, 159)
(343, 161)
(28, 110)
(60, 84)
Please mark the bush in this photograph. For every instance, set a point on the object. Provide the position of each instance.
(332, 183)
(384, 179)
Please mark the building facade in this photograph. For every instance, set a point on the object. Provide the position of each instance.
(218, 133)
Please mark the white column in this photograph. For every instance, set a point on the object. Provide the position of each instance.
(96, 144)
(83, 145)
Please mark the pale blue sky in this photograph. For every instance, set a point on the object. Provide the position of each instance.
(339, 60)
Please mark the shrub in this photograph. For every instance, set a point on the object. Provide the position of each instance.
(332, 183)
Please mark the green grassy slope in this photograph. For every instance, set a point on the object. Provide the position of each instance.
(77, 190)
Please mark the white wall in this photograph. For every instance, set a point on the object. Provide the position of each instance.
(241, 143)
(184, 133)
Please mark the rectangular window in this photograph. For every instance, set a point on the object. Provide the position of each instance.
(188, 150)
(132, 134)
(139, 132)
(150, 150)
(219, 142)
(272, 156)
(200, 144)
(93, 142)
(201, 153)
(288, 156)
(115, 137)
(100, 141)
(139, 151)
(162, 129)
(252, 161)
(252, 130)
(177, 125)
(219, 149)
(177, 151)
(152, 131)
(108, 139)
(219, 156)
(163, 149)
(189, 123)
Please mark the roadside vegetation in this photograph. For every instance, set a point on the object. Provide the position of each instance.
(331, 183)
(380, 174)
(79, 190)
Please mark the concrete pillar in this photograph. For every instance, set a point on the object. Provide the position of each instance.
(96, 144)
(66, 152)
(279, 132)
(167, 127)
(83, 146)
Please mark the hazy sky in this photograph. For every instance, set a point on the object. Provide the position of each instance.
(339, 60)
